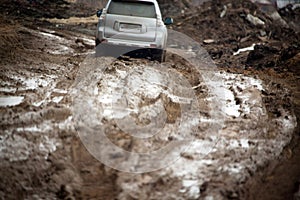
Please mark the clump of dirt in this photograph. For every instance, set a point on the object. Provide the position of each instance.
(281, 60)
(275, 59)
(262, 56)
(28, 9)
(9, 39)
(226, 25)
(34, 8)
(291, 14)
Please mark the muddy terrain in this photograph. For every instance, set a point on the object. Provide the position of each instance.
(224, 107)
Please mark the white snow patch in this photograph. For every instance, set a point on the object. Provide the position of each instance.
(89, 41)
(228, 88)
(200, 147)
(251, 48)
(189, 183)
(8, 89)
(67, 124)
(36, 128)
(234, 168)
(57, 99)
(234, 144)
(15, 148)
(192, 186)
(61, 49)
(188, 168)
(10, 100)
(60, 91)
(33, 83)
(244, 143)
(48, 146)
(39, 103)
(150, 85)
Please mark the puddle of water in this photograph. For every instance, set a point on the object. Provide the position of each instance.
(62, 46)
(10, 100)
(45, 84)
(51, 35)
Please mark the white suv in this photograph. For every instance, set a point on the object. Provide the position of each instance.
(129, 26)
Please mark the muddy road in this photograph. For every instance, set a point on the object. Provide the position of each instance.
(227, 117)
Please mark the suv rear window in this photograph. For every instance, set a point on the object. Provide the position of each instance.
(132, 8)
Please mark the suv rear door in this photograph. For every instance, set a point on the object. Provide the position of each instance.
(131, 20)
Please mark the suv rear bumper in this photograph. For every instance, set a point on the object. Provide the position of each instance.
(117, 50)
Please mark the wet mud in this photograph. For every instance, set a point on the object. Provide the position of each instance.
(244, 138)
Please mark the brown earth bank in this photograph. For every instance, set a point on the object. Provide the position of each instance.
(36, 48)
